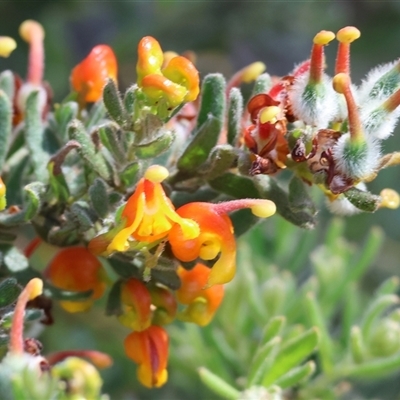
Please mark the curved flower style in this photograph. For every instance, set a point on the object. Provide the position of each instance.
(201, 303)
(149, 349)
(147, 217)
(78, 270)
(176, 82)
(216, 234)
(136, 305)
(90, 75)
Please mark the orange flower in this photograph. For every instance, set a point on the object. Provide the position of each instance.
(176, 82)
(147, 217)
(149, 349)
(136, 305)
(216, 234)
(201, 303)
(78, 270)
(90, 75)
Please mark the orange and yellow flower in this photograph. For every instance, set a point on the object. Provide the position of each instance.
(77, 269)
(136, 305)
(202, 303)
(175, 83)
(147, 217)
(216, 234)
(149, 349)
(90, 75)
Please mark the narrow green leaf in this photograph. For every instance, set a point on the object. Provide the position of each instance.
(269, 189)
(235, 115)
(221, 158)
(299, 197)
(35, 193)
(129, 176)
(373, 369)
(158, 146)
(200, 146)
(82, 215)
(318, 319)
(5, 126)
(388, 286)
(363, 200)
(291, 354)
(114, 306)
(374, 310)
(34, 134)
(218, 385)
(9, 291)
(96, 114)
(99, 197)
(64, 114)
(237, 186)
(273, 328)
(68, 295)
(357, 345)
(129, 99)
(109, 136)
(262, 361)
(296, 375)
(88, 151)
(7, 83)
(212, 102)
(14, 260)
(262, 84)
(113, 102)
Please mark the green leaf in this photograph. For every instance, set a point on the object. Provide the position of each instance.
(5, 126)
(129, 99)
(269, 189)
(200, 146)
(82, 215)
(96, 114)
(64, 114)
(296, 375)
(363, 200)
(156, 147)
(35, 193)
(34, 137)
(9, 291)
(14, 260)
(212, 102)
(357, 345)
(243, 221)
(388, 286)
(109, 136)
(218, 385)
(262, 84)
(88, 150)
(291, 354)
(68, 295)
(299, 197)
(273, 328)
(113, 102)
(7, 83)
(262, 361)
(114, 306)
(374, 310)
(129, 176)
(99, 197)
(318, 319)
(58, 184)
(235, 115)
(237, 186)
(221, 158)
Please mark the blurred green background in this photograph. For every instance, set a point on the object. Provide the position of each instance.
(225, 35)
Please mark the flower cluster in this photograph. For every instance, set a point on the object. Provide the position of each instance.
(327, 130)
